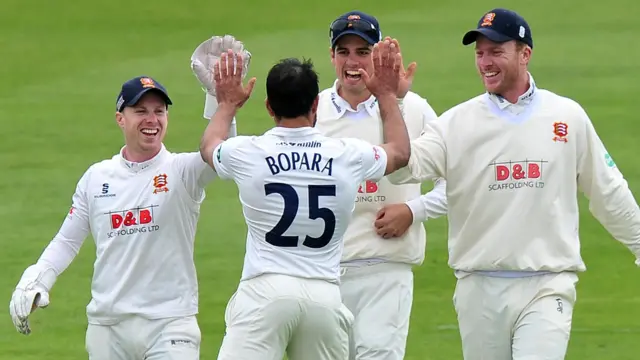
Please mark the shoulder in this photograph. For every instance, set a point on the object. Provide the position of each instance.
(464, 108)
(356, 147)
(412, 99)
(105, 166)
(554, 100)
(100, 171)
(239, 142)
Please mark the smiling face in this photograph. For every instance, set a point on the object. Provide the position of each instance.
(144, 126)
(350, 54)
(502, 66)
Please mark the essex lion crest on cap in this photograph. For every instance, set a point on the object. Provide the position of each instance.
(488, 19)
(147, 82)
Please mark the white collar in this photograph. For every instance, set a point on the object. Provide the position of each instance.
(292, 132)
(524, 99)
(139, 166)
(341, 106)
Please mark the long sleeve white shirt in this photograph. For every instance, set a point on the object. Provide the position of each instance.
(336, 118)
(142, 217)
(513, 174)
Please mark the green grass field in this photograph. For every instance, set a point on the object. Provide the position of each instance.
(63, 63)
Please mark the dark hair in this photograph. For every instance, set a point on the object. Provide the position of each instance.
(292, 86)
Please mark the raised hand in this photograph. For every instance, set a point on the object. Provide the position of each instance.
(227, 74)
(387, 62)
(406, 75)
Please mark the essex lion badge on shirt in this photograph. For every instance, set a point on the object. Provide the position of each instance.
(561, 130)
(160, 183)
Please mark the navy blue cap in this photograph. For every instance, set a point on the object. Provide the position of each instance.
(356, 23)
(133, 90)
(501, 25)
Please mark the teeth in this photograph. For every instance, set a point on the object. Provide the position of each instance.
(491, 74)
(353, 73)
(150, 131)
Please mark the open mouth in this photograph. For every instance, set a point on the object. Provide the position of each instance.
(491, 74)
(150, 132)
(352, 75)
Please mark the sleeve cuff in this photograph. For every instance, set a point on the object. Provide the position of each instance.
(418, 210)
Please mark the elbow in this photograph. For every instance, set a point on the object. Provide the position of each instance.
(204, 151)
(403, 155)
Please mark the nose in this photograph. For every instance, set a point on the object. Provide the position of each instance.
(484, 60)
(151, 119)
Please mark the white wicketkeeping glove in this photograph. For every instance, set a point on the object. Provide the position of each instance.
(207, 54)
(31, 293)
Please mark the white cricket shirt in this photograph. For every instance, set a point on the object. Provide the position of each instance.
(513, 173)
(297, 190)
(142, 217)
(363, 245)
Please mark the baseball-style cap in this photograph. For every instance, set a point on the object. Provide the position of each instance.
(501, 25)
(356, 23)
(133, 89)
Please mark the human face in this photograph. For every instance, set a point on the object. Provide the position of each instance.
(144, 126)
(352, 53)
(501, 66)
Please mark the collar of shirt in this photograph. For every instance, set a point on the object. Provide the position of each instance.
(524, 99)
(139, 166)
(280, 131)
(341, 106)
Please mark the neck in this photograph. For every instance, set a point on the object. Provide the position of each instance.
(520, 87)
(292, 123)
(354, 98)
(139, 156)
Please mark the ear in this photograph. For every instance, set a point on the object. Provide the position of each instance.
(332, 52)
(120, 119)
(314, 111)
(268, 106)
(526, 55)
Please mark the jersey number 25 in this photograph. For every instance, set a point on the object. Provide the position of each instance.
(275, 237)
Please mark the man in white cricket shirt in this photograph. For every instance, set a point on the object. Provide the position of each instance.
(297, 189)
(514, 159)
(386, 236)
(141, 208)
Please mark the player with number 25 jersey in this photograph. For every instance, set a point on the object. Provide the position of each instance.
(297, 189)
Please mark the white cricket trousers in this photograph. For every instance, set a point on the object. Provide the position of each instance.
(525, 318)
(272, 314)
(137, 338)
(379, 297)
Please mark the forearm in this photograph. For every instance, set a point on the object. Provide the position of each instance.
(395, 135)
(618, 212)
(210, 106)
(217, 131)
(55, 258)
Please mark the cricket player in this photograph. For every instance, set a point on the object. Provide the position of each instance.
(514, 159)
(297, 189)
(141, 208)
(386, 236)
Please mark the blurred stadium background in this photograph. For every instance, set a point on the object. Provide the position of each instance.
(64, 61)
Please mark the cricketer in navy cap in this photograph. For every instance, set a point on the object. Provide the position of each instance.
(133, 89)
(501, 25)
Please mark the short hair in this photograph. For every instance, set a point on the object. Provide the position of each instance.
(292, 87)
